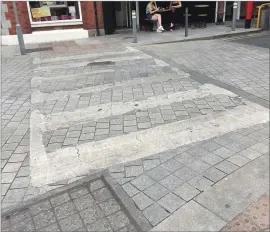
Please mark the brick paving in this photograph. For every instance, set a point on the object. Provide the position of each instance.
(87, 207)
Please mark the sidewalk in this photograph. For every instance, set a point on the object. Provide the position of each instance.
(125, 38)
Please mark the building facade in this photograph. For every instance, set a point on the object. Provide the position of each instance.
(51, 15)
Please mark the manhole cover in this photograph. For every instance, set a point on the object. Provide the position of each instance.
(100, 63)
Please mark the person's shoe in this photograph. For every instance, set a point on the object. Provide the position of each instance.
(161, 28)
(158, 30)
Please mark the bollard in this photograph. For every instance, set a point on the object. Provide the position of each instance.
(186, 22)
(19, 30)
(134, 26)
(234, 16)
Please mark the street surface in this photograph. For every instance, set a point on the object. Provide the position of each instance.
(181, 129)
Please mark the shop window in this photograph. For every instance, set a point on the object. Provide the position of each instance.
(55, 11)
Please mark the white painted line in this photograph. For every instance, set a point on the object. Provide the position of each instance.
(85, 56)
(75, 161)
(54, 121)
(84, 63)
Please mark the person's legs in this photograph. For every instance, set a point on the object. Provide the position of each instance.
(158, 18)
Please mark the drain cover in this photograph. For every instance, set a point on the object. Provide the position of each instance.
(100, 63)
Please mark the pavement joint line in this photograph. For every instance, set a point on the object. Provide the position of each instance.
(127, 147)
(204, 79)
(38, 96)
(61, 119)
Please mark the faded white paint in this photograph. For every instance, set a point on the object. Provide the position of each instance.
(84, 63)
(75, 161)
(61, 119)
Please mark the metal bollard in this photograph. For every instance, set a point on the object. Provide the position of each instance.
(186, 22)
(19, 30)
(234, 16)
(134, 26)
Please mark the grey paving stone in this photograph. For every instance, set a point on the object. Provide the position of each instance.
(70, 141)
(198, 166)
(95, 185)
(164, 156)
(171, 182)
(260, 147)
(226, 167)
(116, 127)
(118, 220)
(185, 173)
(24, 171)
(171, 165)
(4, 189)
(238, 160)
(158, 173)
(236, 147)
(102, 125)
(142, 200)
(137, 162)
(51, 228)
(210, 146)
(64, 210)
(57, 139)
(14, 195)
(250, 154)
(224, 152)
(130, 189)
(23, 226)
(124, 180)
(156, 191)
(109, 207)
(40, 207)
(45, 218)
(60, 199)
(128, 228)
(171, 202)
(223, 140)
(12, 167)
(75, 128)
(84, 201)
(20, 182)
(184, 158)
(102, 194)
(87, 136)
(133, 171)
(71, 223)
(198, 152)
(117, 168)
(144, 125)
(186, 191)
(211, 159)
(92, 214)
(155, 214)
(214, 174)
(8, 177)
(130, 129)
(151, 163)
(142, 182)
(6, 154)
(201, 183)
(101, 225)
(130, 123)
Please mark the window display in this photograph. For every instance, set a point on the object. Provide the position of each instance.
(45, 11)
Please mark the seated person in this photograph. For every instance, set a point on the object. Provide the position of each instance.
(151, 14)
(173, 7)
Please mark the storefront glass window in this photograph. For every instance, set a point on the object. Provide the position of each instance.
(44, 11)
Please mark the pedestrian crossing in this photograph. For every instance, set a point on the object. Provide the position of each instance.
(87, 118)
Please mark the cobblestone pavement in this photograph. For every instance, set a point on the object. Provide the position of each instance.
(164, 136)
(243, 66)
